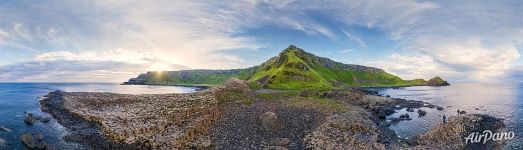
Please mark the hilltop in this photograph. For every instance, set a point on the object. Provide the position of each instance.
(293, 68)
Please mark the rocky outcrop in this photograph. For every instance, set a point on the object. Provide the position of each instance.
(453, 134)
(29, 119)
(233, 90)
(350, 130)
(270, 121)
(437, 81)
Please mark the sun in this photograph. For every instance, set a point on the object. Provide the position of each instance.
(159, 67)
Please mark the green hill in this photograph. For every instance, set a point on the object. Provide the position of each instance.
(293, 68)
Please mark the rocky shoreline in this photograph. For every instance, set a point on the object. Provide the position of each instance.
(233, 116)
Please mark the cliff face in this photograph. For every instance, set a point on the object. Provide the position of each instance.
(293, 68)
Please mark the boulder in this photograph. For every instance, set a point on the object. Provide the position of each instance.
(29, 118)
(270, 121)
(462, 112)
(5, 129)
(283, 142)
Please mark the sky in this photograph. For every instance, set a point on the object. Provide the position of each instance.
(113, 40)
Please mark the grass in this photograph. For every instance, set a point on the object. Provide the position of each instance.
(293, 69)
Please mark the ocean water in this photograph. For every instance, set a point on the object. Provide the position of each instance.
(500, 100)
(18, 98)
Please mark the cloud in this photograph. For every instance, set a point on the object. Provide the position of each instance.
(475, 41)
(65, 66)
(355, 39)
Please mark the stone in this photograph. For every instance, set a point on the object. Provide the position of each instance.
(283, 142)
(462, 112)
(29, 118)
(5, 129)
(28, 141)
(270, 121)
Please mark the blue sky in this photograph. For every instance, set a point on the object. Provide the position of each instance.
(112, 40)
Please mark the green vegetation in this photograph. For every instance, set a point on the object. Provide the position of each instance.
(292, 69)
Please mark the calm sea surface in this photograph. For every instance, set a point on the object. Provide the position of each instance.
(500, 100)
(17, 98)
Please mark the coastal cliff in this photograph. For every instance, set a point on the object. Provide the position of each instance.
(293, 68)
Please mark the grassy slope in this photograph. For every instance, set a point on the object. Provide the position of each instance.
(292, 69)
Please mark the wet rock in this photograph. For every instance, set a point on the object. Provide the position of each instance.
(270, 121)
(45, 119)
(28, 141)
(452, 135)
(385, 111)
(29, 118)
(421, 112)
(275, 148)
(283, 142)
(5, 129)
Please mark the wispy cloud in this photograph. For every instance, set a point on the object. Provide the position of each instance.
(355, 39)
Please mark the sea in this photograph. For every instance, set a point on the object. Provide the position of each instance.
(16, 99)
(502, 100)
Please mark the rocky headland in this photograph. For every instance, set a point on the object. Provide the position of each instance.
(236, 116)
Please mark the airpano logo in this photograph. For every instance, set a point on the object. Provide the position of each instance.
(476, 137)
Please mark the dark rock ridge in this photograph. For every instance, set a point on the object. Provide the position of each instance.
(292, 65)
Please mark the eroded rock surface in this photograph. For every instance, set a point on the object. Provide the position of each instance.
(452, 135)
